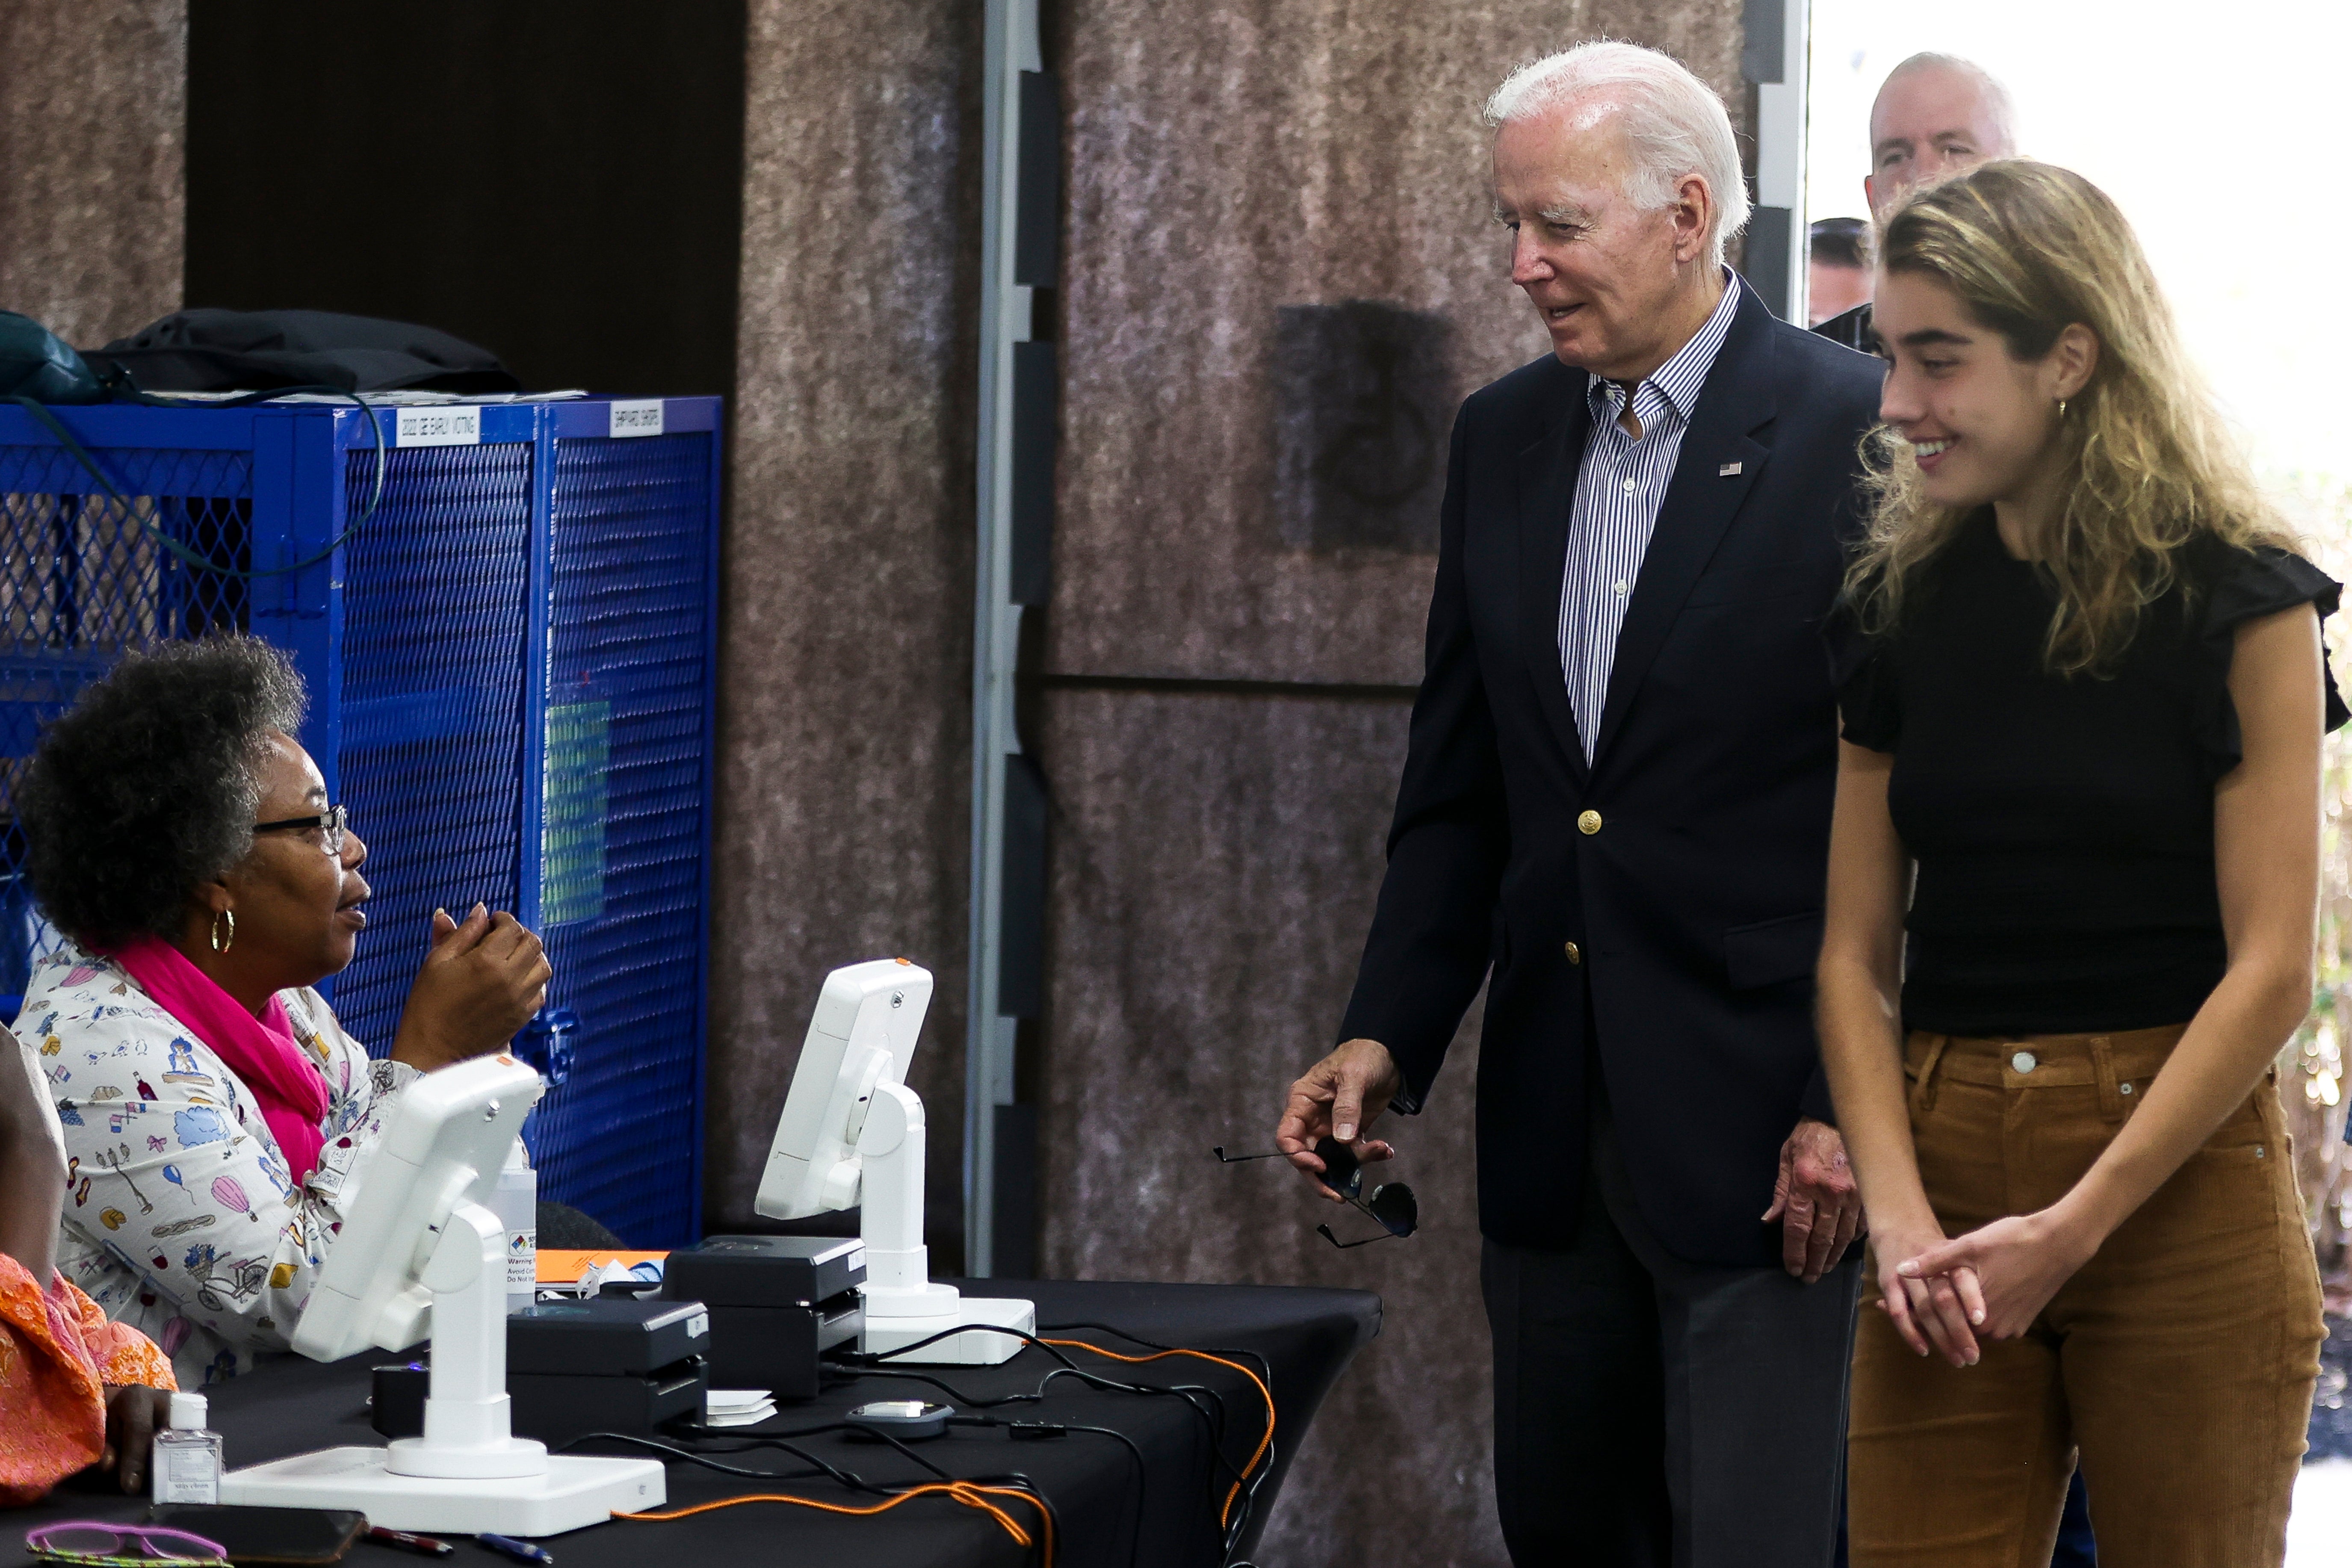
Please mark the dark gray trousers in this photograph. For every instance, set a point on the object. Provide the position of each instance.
(1651, 1412)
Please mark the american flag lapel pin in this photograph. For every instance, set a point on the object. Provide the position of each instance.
(1726, 471)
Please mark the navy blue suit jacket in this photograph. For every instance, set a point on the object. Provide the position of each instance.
(1696, 906)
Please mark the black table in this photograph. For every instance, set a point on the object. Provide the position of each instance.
(1307, 1337)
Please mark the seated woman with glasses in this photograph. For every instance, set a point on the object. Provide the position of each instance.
(215, 1112)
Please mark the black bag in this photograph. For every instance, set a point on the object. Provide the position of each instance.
(219, 351)
(36, 364)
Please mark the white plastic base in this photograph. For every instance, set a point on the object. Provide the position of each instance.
(575, 1492)
(513, 1456)
(978, 1348)
(924, 1301)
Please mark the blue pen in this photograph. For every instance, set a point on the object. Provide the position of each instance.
(521, 1551)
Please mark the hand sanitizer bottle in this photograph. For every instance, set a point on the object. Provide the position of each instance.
(515, 1201)
(187, 1464)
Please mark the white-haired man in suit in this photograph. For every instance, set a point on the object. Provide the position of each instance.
(1616, 799)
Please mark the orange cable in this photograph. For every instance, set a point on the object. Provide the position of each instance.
(965, 1492)
(974, 1495)
(1264, 1443)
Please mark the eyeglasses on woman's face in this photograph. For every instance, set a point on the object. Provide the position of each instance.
(332, 822)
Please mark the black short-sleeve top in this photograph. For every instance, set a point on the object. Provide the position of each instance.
(2061, 826)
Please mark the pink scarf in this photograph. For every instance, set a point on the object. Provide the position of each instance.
(261, 1051)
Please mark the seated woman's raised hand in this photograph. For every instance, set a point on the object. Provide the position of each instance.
(484, 978)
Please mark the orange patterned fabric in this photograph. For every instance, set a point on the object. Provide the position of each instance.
(58, 1356)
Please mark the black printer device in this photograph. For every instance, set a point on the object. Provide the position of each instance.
(766, 1270)
(574, 1367)
(777, 1304)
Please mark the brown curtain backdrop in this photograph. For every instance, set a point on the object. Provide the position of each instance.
(1280, 276)
(842, 822)
(93, 110)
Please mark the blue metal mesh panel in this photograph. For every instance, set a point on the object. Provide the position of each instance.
(627, 670)
(434, 592)
(81, 581)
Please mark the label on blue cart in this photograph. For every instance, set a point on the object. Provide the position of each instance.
(637, 418)
(457, 425)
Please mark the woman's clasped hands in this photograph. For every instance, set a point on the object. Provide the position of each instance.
(481, 982)
(1942, 1294)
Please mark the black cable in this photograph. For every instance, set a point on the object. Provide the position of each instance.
(1022, 1483)
(1215, 1422)
(80, 454)
(1265, 1367)
(1029, 1340)
(1248, 1508)
(1032, 1430)
(850, 1480)
(1265, 1370)
(688, 1455)
(847, 1479)
(751, 1440)
(962, 1399)
(1212, 1422)
(777, 1440)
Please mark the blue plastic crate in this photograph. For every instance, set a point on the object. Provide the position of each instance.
(510, 668)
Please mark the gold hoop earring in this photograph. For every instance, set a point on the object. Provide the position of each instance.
(2061, 408)
(218, 945)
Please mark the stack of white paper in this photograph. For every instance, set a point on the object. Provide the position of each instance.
(737, 1406)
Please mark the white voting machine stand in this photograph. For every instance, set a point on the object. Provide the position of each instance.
(422, 1253)
(851, 1122)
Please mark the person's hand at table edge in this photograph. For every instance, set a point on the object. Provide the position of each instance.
(134, 1412)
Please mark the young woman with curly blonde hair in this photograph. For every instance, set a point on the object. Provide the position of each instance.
(2072, 879)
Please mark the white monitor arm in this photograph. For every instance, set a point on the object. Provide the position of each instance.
(851, 1125)
(903, 1304)
(891, 1148)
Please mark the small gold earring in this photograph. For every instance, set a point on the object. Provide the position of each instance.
(2061, 408)
(218, 945)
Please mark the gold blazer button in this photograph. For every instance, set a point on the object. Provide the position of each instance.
(1587, 823)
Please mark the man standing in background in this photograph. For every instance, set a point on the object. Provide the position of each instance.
(1934, 114)
(1838, 275)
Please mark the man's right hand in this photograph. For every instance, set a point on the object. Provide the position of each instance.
(484, 978)
(1337, 1098)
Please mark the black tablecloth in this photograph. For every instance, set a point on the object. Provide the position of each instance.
(1305, 1335)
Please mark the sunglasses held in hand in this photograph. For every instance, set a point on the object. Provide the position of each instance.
(1392, 1205)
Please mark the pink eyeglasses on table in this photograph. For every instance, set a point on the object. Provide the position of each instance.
(102, 1545)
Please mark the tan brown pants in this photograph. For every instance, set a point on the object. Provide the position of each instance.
(2178, 1362)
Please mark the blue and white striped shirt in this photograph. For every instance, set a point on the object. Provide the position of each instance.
(1619, 488)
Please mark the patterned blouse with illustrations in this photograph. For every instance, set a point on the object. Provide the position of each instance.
(180, 1217)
